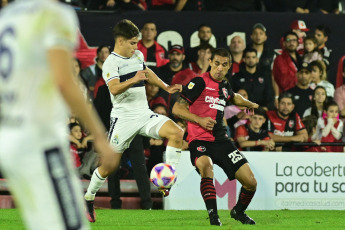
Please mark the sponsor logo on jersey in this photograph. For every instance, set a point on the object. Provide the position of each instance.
(215, 103)
(261, 80)
(210, 88)
(191, 85)
(201, 149)
(291, 123)
(108, 75)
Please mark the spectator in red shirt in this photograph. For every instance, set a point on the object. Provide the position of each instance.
(253, 136)
(285, 125)
(285, 65)
(154, 53)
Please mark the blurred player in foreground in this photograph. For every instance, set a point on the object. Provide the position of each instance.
(202, 104)
(36, 88)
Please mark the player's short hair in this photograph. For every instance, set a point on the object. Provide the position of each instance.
(286, 95)
(328, 104)
(310, 122)
(126, 29)
(290, 33)
(324, 29)
(249, 50)
(221, 52)
(260, 111)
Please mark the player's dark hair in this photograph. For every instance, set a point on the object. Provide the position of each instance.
(249, 50)
(260, 111)
(329, 104)
(310, 122)
(126, 29)
(324, 29)
(221, 52)
(290, 33)
(314, 110)
(286, 95)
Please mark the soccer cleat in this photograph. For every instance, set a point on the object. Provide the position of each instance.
(164, 191)
(90, 212)
(243, 218)
(214, 219)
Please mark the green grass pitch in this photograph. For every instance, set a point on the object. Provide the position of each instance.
(165, 220)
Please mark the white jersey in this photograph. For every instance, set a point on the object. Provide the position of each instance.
(133, 101)
(28, 95)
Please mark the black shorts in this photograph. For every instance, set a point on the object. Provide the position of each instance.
(222, 153)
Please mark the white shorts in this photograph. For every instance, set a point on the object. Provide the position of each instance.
(123, 129)
(43, 181)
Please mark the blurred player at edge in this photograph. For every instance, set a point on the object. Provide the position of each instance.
(125, 74)
(202, 104)
(37, 87)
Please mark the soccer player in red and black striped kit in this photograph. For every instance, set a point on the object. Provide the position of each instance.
(202, 104)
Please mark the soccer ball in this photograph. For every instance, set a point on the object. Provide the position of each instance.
(163, 175)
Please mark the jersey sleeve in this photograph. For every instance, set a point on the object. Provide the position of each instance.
(193, 89)
(110, 70)
(299, 123)
(59, 28)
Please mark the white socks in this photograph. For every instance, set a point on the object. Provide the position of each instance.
(172, 156)
(95, 184)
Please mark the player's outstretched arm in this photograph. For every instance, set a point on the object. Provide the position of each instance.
(60, 61)
(240, 101)
(155, 80)
(116, 87)
(181, 110)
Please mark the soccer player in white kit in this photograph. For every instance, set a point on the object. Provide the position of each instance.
(37, 38)
(124, 72)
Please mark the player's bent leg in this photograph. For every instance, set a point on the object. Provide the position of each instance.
(207, 189)
(108, 165)
(174, 134)
(246, 177)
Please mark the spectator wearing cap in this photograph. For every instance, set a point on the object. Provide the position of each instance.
(285, 65)
(174, 72)
(322, 33)
(265, 53)
(302, 93)
(93, 73)
(154, 53)
(254, 80)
